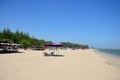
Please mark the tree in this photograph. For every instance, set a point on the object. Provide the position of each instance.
(24, 39)
(25, 43)
(74, 45)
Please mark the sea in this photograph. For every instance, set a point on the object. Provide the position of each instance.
(112, 54)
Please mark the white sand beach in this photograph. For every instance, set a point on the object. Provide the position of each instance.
(74, 65)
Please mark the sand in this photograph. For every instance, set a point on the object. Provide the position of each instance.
(74, 65)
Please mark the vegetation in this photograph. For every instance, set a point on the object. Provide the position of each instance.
(74, 45)
(26, 41)
(20, 38)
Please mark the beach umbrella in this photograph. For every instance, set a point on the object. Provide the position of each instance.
(15, 44)
(54, 45)
(5, 44)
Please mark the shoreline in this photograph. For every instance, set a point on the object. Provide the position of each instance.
(74, 65)
(108, 53)
(113, 60)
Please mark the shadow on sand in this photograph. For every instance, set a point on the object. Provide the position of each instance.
(52, 54)
(58, 55)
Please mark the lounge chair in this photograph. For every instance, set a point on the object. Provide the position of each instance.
(46, 54)
(52, 54)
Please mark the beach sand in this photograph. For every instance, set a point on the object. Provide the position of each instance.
(74, 65)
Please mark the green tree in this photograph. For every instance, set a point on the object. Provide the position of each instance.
(25, 43)
(24, 39)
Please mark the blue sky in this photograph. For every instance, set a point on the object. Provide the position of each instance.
(92, 22)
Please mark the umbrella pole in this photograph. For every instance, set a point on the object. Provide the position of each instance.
(49, 49)
(56, 50)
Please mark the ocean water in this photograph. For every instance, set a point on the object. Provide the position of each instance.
(110, 52)
(113, 55)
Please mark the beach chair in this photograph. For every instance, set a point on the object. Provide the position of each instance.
(52, 54)
(46, 54)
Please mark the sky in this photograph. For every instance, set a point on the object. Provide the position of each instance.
(92, 22)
